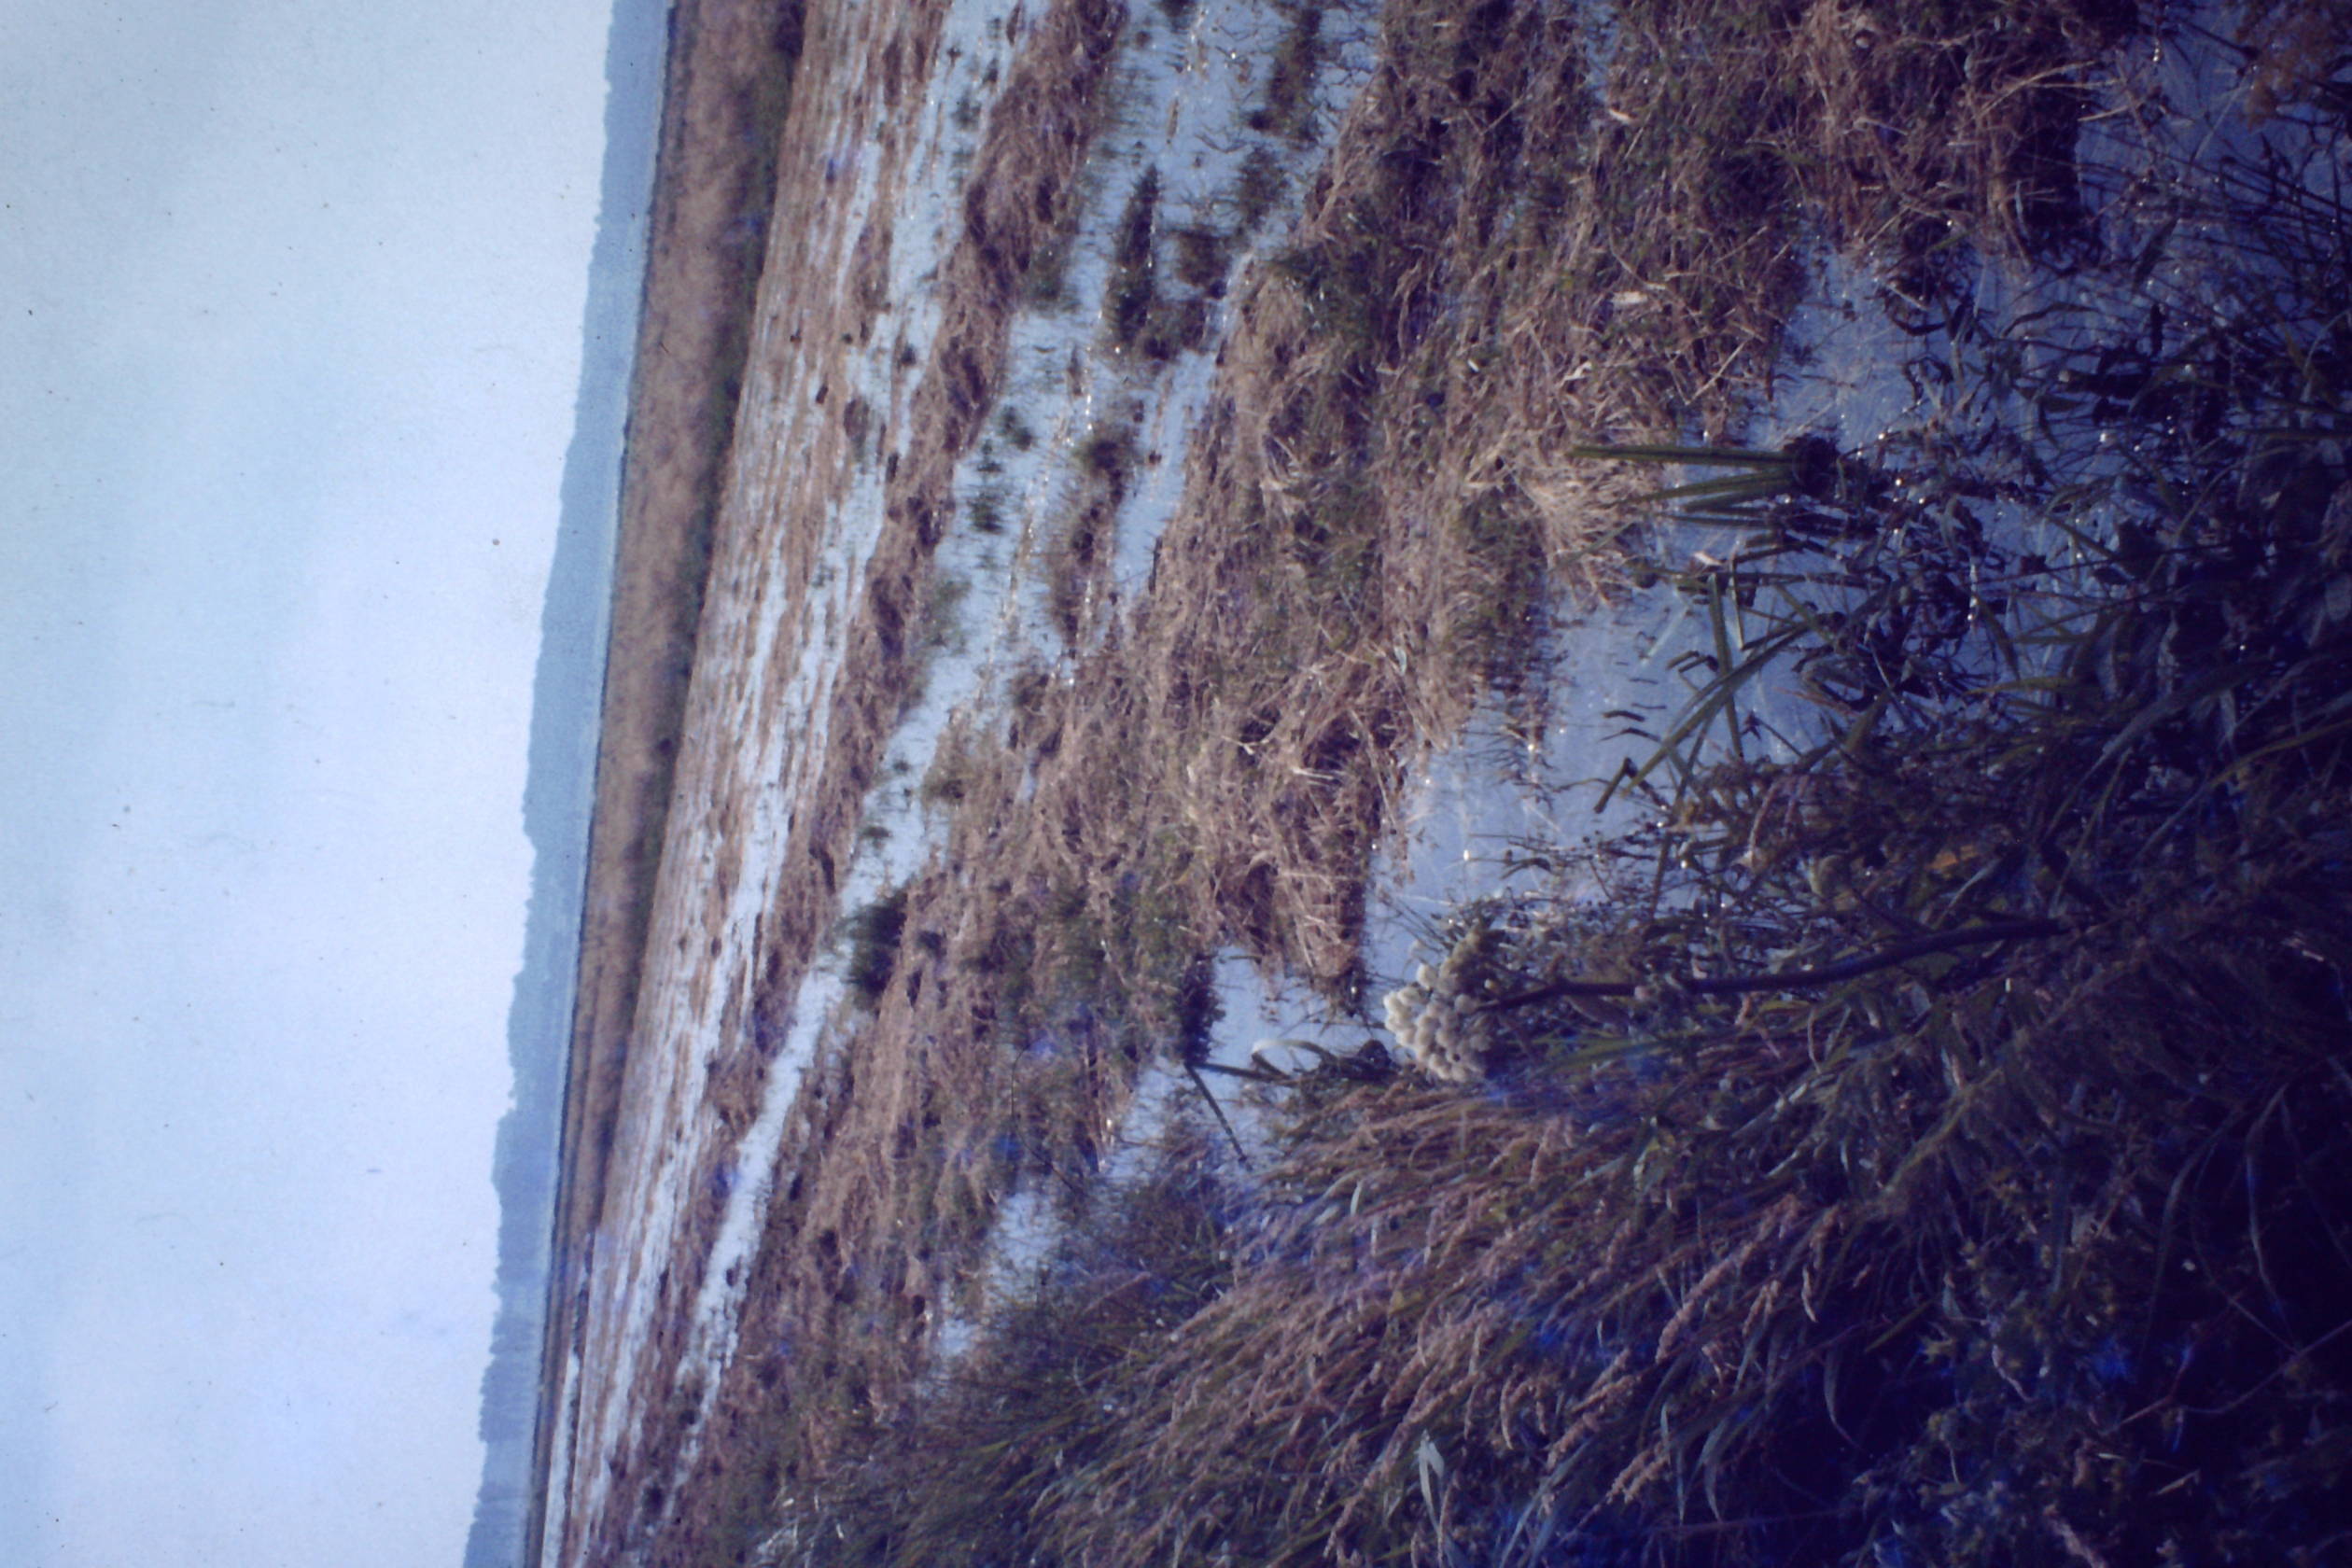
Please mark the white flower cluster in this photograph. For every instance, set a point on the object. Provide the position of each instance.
(1436, 1017)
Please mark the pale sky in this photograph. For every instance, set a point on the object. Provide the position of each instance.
(290, 306)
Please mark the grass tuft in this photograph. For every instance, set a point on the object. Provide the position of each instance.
(874, 933)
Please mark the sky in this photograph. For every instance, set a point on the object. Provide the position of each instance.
(291, 313)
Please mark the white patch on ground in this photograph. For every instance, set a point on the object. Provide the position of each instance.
(1026, 1229)
(1018, 1245)
(782, 743)
(1182, 97)
(1474, 803)
(1267, 1023)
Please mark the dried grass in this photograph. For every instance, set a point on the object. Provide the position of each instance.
(1659, 1292)
(1907, 1247)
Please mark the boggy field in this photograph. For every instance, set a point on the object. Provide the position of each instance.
(1908, 1127)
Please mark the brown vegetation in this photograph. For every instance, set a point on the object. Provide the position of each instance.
(1929, 1147)
(860, 65)
(728, 82)
(1503, 263)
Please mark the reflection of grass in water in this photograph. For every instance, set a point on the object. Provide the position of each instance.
(1257, 188)
(1079, 544)
(1045, 283)
(985, 511)
(1286, 108)
(1133, 289)
(1108, 453)
(1929, 1145)
(943, 615)
(1203, 254)
(1016, 428)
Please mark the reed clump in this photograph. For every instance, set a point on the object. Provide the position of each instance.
(1930, 1147)
(1809, 1228)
